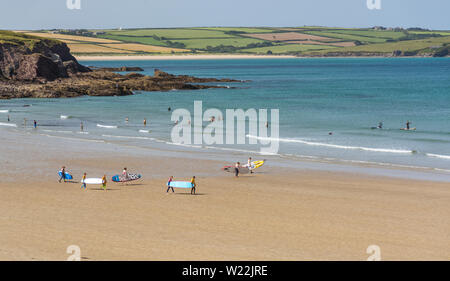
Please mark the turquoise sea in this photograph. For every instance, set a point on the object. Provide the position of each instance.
(315, 97)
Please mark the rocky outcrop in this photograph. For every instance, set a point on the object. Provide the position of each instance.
(120, 69)
(103, 83)
(41, 61)
(33, 67)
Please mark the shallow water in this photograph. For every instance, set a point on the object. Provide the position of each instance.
(315, 97)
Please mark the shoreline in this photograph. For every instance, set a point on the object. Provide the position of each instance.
(226, 56)
(178, 57)
(274, 214)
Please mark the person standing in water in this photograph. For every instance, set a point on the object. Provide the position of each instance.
(81, 127)
(236, 169)
(25, 122)
(168, 185)
(63, 174)
(194, 185)
(35, 124)
(380, 125)
(104, 182)
(83, 185)
(9, 119)
(145, 122)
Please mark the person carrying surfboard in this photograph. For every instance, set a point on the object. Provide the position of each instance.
(63, 174)
(104, 182)
(83, 181)
(125, 173)
(193, 185)
(250, 165)
(168, 185)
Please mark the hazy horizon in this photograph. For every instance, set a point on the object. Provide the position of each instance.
(113, 14)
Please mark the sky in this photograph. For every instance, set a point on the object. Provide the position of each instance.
(103, 14)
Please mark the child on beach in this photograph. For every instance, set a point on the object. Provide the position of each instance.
(104, 182)
(193, 185)
(236, 169)
(82, 181)
(63, 174)
(168, 184)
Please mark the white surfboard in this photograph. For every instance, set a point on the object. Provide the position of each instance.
(92, 181)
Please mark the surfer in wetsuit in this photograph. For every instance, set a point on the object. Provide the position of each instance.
(380, 125)
(168, 185)
(193, 185)
(104, 182)
(249, 165)
(35, 124)
(125, 173)
(63, 174)
(236, 169)
(82, 180)
(145, 122)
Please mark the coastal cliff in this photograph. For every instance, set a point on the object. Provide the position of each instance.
(33, 67)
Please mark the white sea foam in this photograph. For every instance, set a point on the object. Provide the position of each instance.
(385, 150)
(106, 126)
(144, 131)
(127, 137)
(4, 111)
(58, 131)
(8, 124)
(439, 156)
(65, 116)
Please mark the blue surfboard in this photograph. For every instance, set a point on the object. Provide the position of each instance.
(181, 184)
(131, 177)
(67, 175)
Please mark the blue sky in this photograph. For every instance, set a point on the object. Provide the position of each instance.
(46, 14)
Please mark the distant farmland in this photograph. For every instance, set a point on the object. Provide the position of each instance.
(301, 41)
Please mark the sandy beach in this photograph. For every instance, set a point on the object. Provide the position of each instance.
(178, 57)
(275, 214)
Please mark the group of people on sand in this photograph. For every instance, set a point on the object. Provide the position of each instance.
(170, 180)
(125, 175)
(64, 178)
(237, 167)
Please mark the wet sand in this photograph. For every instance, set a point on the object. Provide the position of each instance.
(275, 214)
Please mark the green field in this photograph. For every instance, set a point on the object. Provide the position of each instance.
(287, 49)
(250, 40)
(419, 46)
(204, 43)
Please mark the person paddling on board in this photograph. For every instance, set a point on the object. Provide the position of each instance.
(63, 174)
(407, 125)
(168, 185)
(380, 125)
(104, 182)
(83, 181)
(194, 185)
(237, 166)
